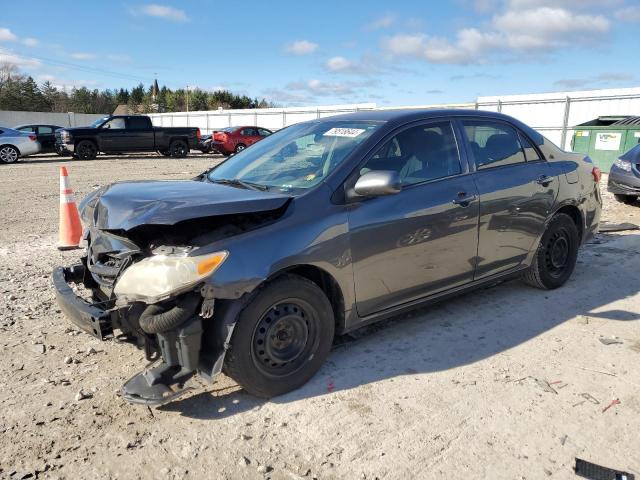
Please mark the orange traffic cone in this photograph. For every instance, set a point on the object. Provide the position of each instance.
(70, 226)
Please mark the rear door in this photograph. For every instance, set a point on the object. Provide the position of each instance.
(424, 239)
(517, 191)
(140, 134)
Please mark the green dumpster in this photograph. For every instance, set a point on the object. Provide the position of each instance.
(606, 138)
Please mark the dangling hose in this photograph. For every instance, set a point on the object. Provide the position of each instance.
(155, 319)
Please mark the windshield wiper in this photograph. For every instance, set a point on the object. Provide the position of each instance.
(236, 182)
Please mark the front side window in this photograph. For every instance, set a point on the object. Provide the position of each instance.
(419, 154)
(114, 124)
(493, 144)
(296, 158)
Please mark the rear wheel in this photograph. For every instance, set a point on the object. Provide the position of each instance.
(281, 338)
(178, 149)
(86, 150)
(240, 147)
(556, 256)
(626, 199)
(9, 154)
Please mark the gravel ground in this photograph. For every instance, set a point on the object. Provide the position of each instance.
(508, 382)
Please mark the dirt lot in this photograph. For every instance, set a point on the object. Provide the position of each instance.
(508, 382)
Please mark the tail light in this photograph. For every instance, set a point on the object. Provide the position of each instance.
(198, 134)
(597, 174)
(220, 137)
(33, 138)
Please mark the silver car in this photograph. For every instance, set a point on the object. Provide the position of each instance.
(15, 144)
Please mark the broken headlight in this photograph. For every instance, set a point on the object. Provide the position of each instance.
(154, 278)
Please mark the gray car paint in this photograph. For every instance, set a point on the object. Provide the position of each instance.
(393, 252)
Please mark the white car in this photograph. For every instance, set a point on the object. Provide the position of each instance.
(15, 144)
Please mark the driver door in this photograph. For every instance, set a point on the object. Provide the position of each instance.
(424, 239)
(113, 136)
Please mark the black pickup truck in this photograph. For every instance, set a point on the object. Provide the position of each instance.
(126, 133)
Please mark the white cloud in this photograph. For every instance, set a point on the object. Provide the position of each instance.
(301, 47)
(30, 42)
(19, 61)
(533, 30)
(596, 81)
(83, 56)
(385, 21)
(629, 14)
(337, 64)
(7, 35)
(162, 11)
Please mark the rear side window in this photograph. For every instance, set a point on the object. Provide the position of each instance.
(264, 132)
(419, 154)
(45, 130)
(529, 152)
(138, 123)
(493, 144)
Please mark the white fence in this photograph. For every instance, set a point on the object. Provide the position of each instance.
(12, 119)
(271, 118)
(555, 114)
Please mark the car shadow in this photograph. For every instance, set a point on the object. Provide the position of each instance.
(450, 334)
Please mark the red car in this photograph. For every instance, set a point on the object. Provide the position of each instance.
(235, 139)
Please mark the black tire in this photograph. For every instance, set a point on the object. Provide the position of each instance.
(86, 150)
(626, 199)
(556, 255)
(240, 147)
(9, 154)
(178, 149)
(282, 337)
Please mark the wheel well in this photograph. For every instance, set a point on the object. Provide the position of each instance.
(575, 215)
(10, 145)
(327, 284)
(86, 140)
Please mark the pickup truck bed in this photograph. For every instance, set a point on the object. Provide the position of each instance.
(126, 133)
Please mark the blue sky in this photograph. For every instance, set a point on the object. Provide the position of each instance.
(327, 51)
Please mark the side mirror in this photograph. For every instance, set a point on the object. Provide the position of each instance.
(377, 183)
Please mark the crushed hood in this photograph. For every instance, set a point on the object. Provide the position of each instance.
(126, 205)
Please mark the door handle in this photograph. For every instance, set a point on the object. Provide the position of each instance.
(463, 199)
(544, 180)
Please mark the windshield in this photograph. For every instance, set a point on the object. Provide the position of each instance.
(98, 122)
(297, 157)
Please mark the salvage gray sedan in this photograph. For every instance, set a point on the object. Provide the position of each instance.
(254, 266)
(15, 144)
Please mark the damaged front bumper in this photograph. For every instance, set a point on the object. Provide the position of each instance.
(180, 352)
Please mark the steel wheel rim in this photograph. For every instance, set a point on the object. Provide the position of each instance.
(557, 253)
(239, 148)
(8, 155)
(284, 337)
(86, 152)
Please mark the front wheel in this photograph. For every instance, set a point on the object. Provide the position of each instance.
(178, 149)
(626, 199)
(86, 150)
(9, 154)
(556, 256)
(281, 338)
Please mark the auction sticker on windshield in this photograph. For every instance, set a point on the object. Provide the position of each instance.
(344, 132)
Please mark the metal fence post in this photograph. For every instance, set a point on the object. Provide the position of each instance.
(565, 122)
(318, 113)
(284, 119)
(207, 114)
(499, 105)
(229, 119)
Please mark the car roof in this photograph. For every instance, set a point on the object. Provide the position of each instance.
(37, 125)
(409, 114)
(396, 117)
